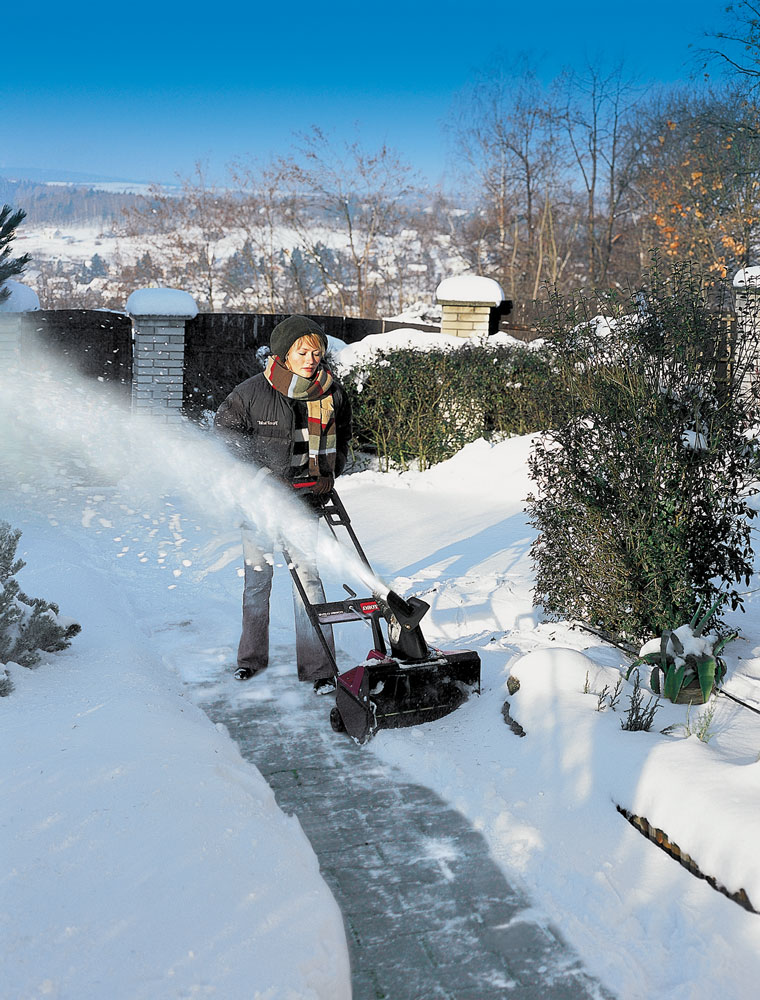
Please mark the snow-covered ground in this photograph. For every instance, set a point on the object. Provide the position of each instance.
(144, 854)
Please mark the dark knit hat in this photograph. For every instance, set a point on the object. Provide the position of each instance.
(286, 333)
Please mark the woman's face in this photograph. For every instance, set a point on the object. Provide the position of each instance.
(304, 356)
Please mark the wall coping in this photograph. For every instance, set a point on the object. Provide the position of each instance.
(161, 302)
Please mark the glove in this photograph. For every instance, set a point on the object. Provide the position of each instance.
(323, 486)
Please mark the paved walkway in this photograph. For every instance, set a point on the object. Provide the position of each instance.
(428, 914)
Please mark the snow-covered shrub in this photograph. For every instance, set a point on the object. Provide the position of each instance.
(414, 407)
(28, 625)
(642, 485)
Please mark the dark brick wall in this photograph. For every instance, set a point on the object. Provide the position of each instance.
(220, 349)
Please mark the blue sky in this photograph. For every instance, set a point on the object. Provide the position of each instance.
(144, 90)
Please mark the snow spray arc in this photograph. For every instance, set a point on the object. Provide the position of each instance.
(61, 430)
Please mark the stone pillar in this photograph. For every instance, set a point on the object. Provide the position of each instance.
(747, 295)
(158, 350)
(13, 309)
(10, 340)
(747, 298)
(466, 303)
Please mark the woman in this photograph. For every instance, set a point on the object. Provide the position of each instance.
(295, 420)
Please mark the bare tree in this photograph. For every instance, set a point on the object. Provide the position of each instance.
(184, 231)
(738, 45)
(345, 204)
(595, 116)
(519, 231)
(258, 270)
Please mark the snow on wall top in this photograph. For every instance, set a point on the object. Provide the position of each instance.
(22, 298)
(162, 302)
(747, 276)
(470, 288)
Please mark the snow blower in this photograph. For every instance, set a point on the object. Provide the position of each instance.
(403, 683)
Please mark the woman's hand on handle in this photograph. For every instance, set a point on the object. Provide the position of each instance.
(323, 486)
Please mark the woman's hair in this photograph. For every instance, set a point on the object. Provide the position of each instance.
(310, 340)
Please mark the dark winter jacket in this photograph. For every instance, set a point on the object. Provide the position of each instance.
(259, 423)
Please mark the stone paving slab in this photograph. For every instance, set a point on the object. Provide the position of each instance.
(428, 913)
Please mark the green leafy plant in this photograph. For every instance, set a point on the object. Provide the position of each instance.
(701, 727)
(639, 716)
(421, 407)
(29, 626)
(685, 657)
(642, 484)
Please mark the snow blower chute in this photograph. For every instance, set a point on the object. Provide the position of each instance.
(403, 683)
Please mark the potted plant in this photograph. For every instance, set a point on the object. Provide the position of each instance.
(686, 663)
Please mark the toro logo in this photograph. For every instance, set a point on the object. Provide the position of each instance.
(368, 607)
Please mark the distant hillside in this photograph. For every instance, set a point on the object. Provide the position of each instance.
(64, 204)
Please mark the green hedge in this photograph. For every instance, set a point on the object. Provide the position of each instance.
(641, 501)
(420, 407)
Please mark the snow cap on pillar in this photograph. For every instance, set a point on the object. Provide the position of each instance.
(466, 304)
(162, 302)
(470, 288)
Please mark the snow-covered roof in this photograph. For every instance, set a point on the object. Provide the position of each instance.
(470, 288)
(747, 276)
(162, 302)
(22, 298)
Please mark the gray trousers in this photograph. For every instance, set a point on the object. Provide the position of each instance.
(253, 650)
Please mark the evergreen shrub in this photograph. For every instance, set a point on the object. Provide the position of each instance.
(415, 407)
(643, 484)
(29, 626)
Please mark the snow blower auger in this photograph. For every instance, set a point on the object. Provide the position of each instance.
(406, 685)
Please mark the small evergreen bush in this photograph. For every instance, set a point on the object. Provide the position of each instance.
(28, 626)
(642, 486)
(422, 407)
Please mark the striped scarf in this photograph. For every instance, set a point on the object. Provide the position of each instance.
(317, 393)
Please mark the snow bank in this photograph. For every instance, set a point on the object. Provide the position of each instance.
(144, 858)
(669, 779)
(162, 302)
(407, 338)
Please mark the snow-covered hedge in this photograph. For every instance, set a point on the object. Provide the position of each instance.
(420, 403)
(29, 626)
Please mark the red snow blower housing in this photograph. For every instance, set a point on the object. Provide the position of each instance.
(405, 685)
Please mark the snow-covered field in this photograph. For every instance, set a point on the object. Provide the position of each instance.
(145, 858)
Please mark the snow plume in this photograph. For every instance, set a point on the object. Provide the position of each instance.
(61, 431)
